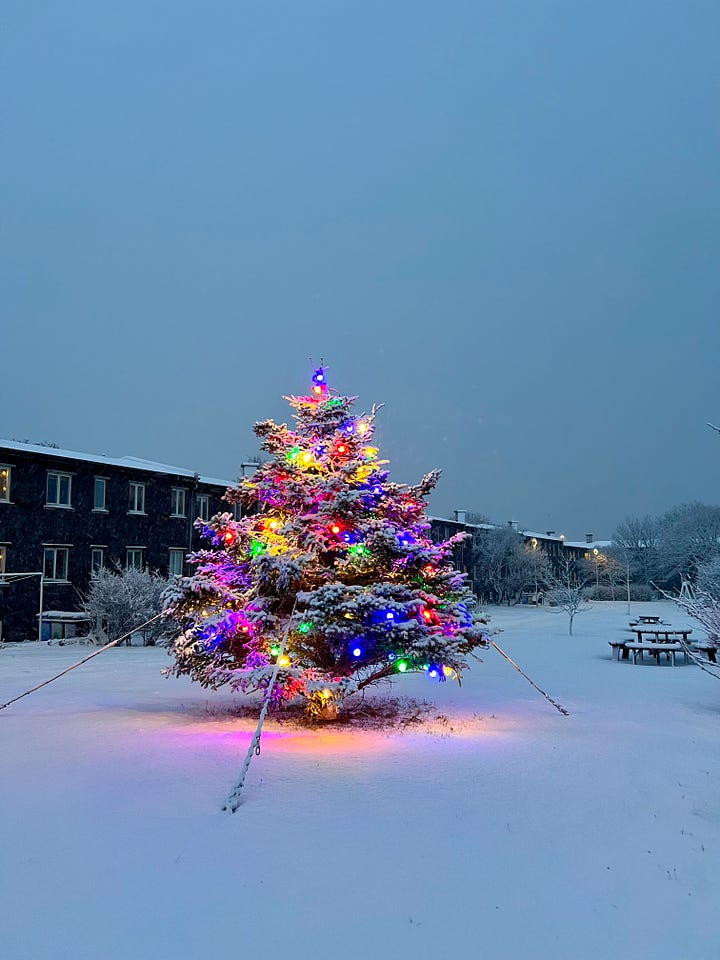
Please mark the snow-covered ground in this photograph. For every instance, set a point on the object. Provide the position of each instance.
(499, 829)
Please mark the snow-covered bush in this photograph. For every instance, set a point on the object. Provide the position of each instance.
(121, 601)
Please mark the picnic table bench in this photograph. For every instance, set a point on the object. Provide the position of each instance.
(670, 650)
(708, 647)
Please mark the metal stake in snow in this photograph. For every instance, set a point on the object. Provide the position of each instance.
(113, 643)
(233, 801)
(563, 711)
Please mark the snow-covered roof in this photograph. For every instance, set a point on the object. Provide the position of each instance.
(530, 534)
(130, 463)
(63, 615)
(592, 545)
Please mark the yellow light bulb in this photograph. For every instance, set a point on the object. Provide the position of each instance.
(325, 693)
(284, 661)
(363, 427)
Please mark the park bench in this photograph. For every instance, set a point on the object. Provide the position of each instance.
(656, 650)
(707, 647)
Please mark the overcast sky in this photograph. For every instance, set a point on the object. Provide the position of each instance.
(501, 219)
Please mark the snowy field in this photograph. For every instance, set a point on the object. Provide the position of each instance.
(497, 829)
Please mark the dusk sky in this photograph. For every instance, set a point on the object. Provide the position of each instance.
(501, 219)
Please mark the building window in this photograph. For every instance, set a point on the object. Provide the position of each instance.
(100, 494)
(237, 511)
(203, 506)
(97, 559)
(59, 487)
(55, 565)
(5, 484)
(177, 561)
(134, 557)
(3, 558)
(137, 497)
(177, 502)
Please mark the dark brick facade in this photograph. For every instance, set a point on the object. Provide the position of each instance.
(30, 526)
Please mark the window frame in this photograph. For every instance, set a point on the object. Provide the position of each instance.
(5, 468)
(56, 549)
(103, 508)
(3, 558)
(139, 486)
(173, 552)
(58, 504)
(95, 548)
(203, 498)
(135, 550)
(178, 498)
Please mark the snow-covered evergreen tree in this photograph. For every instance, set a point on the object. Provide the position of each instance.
(330, 558)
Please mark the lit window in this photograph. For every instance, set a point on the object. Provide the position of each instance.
(55, 565)
(5, 484)
(134, 557)
(59, 487)
(137, 497)
(3, 558)
(203, 506)
(177, 561)
(97, 559)
(100, 493)
(177, 502)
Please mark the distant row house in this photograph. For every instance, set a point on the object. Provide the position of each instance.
(555, 546)
(65, 515)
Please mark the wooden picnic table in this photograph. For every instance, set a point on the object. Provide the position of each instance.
(641, 621)
(655, 639)
(661, 635)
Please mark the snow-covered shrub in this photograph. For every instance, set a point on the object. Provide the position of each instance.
(121, 601)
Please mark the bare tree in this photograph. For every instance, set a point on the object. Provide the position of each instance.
(708, 578)
(638, 538)
(567, 590)
(688, 537)
(505, 565)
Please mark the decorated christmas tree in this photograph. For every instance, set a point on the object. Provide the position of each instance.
(329, 579)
